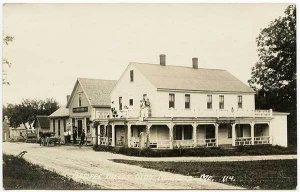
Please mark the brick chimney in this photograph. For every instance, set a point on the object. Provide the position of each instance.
(195, 62)
(162, 60)
(68, 98)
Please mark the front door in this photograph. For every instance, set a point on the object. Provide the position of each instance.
(79, 131)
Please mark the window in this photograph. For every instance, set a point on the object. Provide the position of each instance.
(73, 121)
(188, 132)
(79, 100)
(120, 103)
(239, 131)
(229, 132)
(131, 76)
(171, 100)
(58, 122)
(178, 132)
(187, 101)
(209, 101)
(130, 102)
(221, 101)
(240, 101)
(53, 122)
(87, 125)
(65, 125)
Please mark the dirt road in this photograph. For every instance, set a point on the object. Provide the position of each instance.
(85, 165)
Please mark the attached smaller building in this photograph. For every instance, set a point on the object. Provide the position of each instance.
(60, 122)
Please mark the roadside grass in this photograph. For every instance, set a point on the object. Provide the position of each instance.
(22, 175)
(200, 152)
(267, 174)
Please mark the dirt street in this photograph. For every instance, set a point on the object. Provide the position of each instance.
(85, 165)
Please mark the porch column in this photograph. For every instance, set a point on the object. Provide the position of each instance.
(96, 134)
(148, 126)
(217, 134)
(195, 134)
(252, 133)
(128, 134)
(113, 142)
(233, 134)
(270, 135)
(170, 125)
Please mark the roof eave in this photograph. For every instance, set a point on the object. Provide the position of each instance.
(204, 91)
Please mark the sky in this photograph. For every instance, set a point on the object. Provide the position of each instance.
(54, 44)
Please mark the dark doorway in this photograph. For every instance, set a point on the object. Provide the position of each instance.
(210, 131)
(79, 131)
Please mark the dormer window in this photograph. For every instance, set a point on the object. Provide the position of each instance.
(131, 76)
(79, 100)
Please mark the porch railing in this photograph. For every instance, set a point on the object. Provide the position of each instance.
(261, 140)
(243, 141)
(190, 113)
(159, 144)
(135, 142)
(183, 143)
(207, 142)
(103, 140)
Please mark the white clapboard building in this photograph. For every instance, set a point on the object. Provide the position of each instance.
(165, 106)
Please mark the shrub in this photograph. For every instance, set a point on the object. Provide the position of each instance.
(198, 152)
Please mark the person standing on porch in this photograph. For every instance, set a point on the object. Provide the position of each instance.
(66, 137)
(74, 135)
(69, 135)
(82, 137)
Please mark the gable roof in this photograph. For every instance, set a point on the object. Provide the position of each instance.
(188, 78)
(43, 121)
(97, 91)
(61, 112)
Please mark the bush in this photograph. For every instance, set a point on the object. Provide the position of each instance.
(198, 152)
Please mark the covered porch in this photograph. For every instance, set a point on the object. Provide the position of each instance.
(170, 133)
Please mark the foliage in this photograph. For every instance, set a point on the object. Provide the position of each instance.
(267, 174)
(198, 152)
(6, 39)
(28, 110)
(274, 75)
(19, 174)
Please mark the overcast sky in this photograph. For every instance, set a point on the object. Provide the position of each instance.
(57, 43)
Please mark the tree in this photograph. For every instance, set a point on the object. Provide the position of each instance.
(6, 39)
(274, 75)
(28, 110)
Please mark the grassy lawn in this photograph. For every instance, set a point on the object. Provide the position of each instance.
(19, 174)
(269, 174)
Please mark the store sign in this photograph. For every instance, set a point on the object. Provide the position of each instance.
(80, 109)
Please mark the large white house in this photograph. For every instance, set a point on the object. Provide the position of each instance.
(164, 106)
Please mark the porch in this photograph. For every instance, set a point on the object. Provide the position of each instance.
(170, 135)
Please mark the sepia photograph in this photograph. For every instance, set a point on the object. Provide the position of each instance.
(99, 96)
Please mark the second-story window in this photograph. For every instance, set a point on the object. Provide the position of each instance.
(221, 101)
(79, 100)
(130, 102)
(209, 101)
(171, 100)
(131, 76)
(240, 101)
(120, 103)
(187, 101)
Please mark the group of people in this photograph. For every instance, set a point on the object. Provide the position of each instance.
(68, 133)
